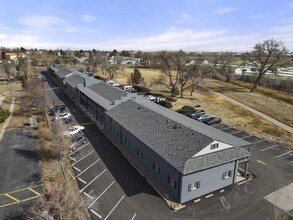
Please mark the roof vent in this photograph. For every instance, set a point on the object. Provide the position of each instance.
(174, 127)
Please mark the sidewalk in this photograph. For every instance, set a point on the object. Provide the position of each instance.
(264, 116)
(8, 119)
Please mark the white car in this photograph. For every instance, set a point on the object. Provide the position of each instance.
(72, 130)
(65, 115)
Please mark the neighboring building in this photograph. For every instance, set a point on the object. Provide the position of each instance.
(188, 158)
(14, 56)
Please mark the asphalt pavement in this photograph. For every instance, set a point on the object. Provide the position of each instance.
(118, 191)
(20, 172)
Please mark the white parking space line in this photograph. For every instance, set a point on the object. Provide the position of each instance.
(96, 214)
(88, 168)
(88, 195)
(93, 180)
(114, 207)
(82, 158)
(223, 129)
(76, 168)
(236, 132)
(269, 147)
(133, 216)
(101, 194)
(71, 158)
(284, 154)
(81, 180)
(79, 149)
(247, 136)
(258, 141)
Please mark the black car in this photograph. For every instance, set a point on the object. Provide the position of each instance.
(57, 108)
(212, 121)
(194, 114)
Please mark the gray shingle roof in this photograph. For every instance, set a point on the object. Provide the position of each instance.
(198, 126)
(63, 72)
(214, 159)
(74, 80)
(108, 92)
(173, 141)
(106, 104)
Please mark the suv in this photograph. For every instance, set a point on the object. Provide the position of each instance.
(77, 140)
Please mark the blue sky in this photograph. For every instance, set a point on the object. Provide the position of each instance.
(148, 25)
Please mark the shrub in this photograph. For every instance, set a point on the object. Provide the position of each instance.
(4, 114)
(141, 89)
(186, 108)
(166, 104)
(171, 99)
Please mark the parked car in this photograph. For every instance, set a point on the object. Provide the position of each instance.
(152, 98)
(57, 108)
(194, 114)
(213, 121)
(72, 130)
(201, 117)
(64, 115)
(77, 140)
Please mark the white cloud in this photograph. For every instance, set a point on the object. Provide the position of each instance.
(88, 18)
(42, 21)
(224, 10)
(257, 16)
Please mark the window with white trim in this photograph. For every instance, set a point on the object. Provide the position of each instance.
(214, 146)
(193, 186)
(227, 174)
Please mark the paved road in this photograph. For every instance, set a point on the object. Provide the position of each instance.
(19, 171)
(274, 121)
(142, 202)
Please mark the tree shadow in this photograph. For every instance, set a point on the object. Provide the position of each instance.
(121, 169)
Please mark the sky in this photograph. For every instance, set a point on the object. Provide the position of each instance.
(147, 25)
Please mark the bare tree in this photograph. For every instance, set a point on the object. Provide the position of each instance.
(200, 71)
(61, 142)
(268, 55)
(169, 77)
(113, 68)
(60, 203)
(35, 91)
(222, 65)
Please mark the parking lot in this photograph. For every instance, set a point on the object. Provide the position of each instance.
(115, 190)
(267, 147)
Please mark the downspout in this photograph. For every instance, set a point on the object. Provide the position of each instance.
(179, 187)
(235, 171)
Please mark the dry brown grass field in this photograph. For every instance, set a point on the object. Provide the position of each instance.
(231, 114)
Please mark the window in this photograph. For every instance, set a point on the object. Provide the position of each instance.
(172, 182)
(156, 168)
(125, 141)
(140, 154)
(214, 146)
(193, 186)
(118, 133)
(110, 120)
(227, 174)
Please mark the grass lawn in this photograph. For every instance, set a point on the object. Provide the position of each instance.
(231, 114)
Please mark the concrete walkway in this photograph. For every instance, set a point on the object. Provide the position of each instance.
(8, 119)
(272, 120)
